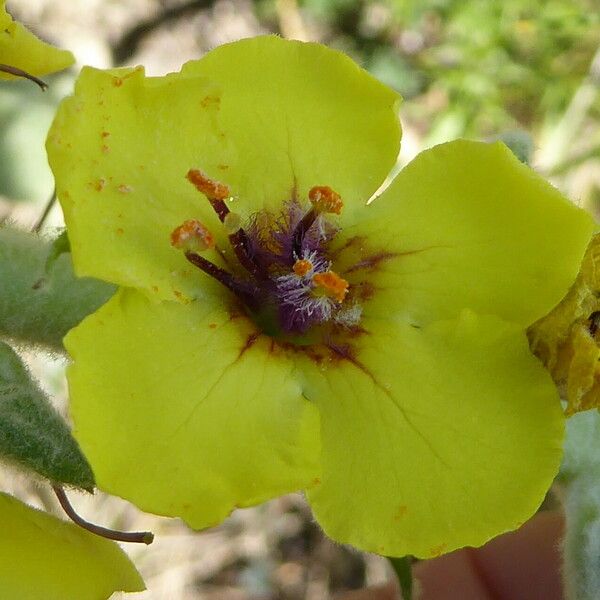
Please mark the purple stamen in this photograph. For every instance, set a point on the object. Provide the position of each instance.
(239, 241)
(271, 250)
(248, 293)
(300, 232)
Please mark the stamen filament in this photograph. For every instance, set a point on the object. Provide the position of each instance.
(323, 200)
(244, 291)
(217, 193)
(300, 231)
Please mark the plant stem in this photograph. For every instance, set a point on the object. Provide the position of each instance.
(403, 569)
(46, 212)
(138, 537)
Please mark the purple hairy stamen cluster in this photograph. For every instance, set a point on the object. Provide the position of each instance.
(287, 272)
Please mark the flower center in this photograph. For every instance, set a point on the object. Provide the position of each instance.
(286, 281)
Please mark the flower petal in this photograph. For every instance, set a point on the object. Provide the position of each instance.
(265, 116)
(120, 149)
(300, 115)
(43, 557)
(466, 225)
(20, 48)
(433, 438)
(185, 410)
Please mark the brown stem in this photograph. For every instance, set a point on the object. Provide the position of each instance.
(139, 537)
(20, 73)
(36, 228)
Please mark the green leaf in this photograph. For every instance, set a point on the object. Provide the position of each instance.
(32, 434)
(520, 143)
(60, 245)
(43, 557)
(40, 297)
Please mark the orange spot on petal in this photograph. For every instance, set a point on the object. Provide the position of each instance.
(210, 101)
(212, 325)
(213, 190)
(120, 230)
(99, 184)
(437, 550)
(332, 285)
(324, 199)
(125, 189)
(402, 510)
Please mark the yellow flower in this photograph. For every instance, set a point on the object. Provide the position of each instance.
(273, 332)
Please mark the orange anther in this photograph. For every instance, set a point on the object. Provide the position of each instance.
(213, 190)
(192, 236)
(331, 284)
(324, 199)
(302, 267)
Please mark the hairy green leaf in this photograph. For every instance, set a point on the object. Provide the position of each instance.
(40, 297)
(32, 434)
